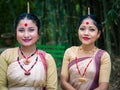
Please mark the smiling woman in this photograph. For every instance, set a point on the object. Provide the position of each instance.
(26, 67)
(86, 67)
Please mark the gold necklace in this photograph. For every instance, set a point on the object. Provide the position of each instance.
(82, 78)
(91, 51)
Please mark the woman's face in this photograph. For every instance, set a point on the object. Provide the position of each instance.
(88, 32)
(27, 33)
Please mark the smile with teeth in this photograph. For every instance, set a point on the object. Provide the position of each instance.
(26, 40)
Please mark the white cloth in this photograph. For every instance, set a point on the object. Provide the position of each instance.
(17, 80)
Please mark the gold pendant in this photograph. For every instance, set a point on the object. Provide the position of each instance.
(26, 62)
(82, 79)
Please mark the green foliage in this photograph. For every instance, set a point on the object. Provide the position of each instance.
(59, 19)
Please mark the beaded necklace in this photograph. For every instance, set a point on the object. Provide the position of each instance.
(82, 78)
(26, 62)
(27, 72)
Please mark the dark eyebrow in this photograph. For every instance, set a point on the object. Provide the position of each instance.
(21, 28)
(31, 27)
(82, 26)
(92, 27)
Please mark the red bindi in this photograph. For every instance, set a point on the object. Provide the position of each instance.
(25, 24)
(87, 23)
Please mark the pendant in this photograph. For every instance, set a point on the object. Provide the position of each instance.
(27, 73)
(26, 62)
(82, 79)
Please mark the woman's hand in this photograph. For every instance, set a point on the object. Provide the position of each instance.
(102, 86)
(65, 85)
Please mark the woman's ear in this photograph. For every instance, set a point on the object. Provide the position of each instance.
(99, 33)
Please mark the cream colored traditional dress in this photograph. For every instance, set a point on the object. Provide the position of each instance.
(12, 75)
(97, 67)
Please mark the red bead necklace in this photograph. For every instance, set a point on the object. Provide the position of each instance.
(27, 72)
(26, 62)
(82, 78)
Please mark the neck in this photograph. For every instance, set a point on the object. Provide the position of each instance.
(87, 50)
(88, 47)
(28, 50)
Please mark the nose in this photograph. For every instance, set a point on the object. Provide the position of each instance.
(26, 34)
(86, 32)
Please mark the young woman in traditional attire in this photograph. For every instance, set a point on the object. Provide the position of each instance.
(86, 67)
(26, 67)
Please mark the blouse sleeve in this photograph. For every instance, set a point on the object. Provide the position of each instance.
(3, 73)
(51, 73)
(66, 60)
(105, 68)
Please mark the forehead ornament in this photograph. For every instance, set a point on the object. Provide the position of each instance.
(87, 23)
(25, 24)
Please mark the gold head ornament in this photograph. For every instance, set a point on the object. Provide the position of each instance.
(88, 10)
(28, 7)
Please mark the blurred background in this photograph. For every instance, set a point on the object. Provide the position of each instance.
(59, 25)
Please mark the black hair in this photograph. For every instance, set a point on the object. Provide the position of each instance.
(95, 19)
(29, 16)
